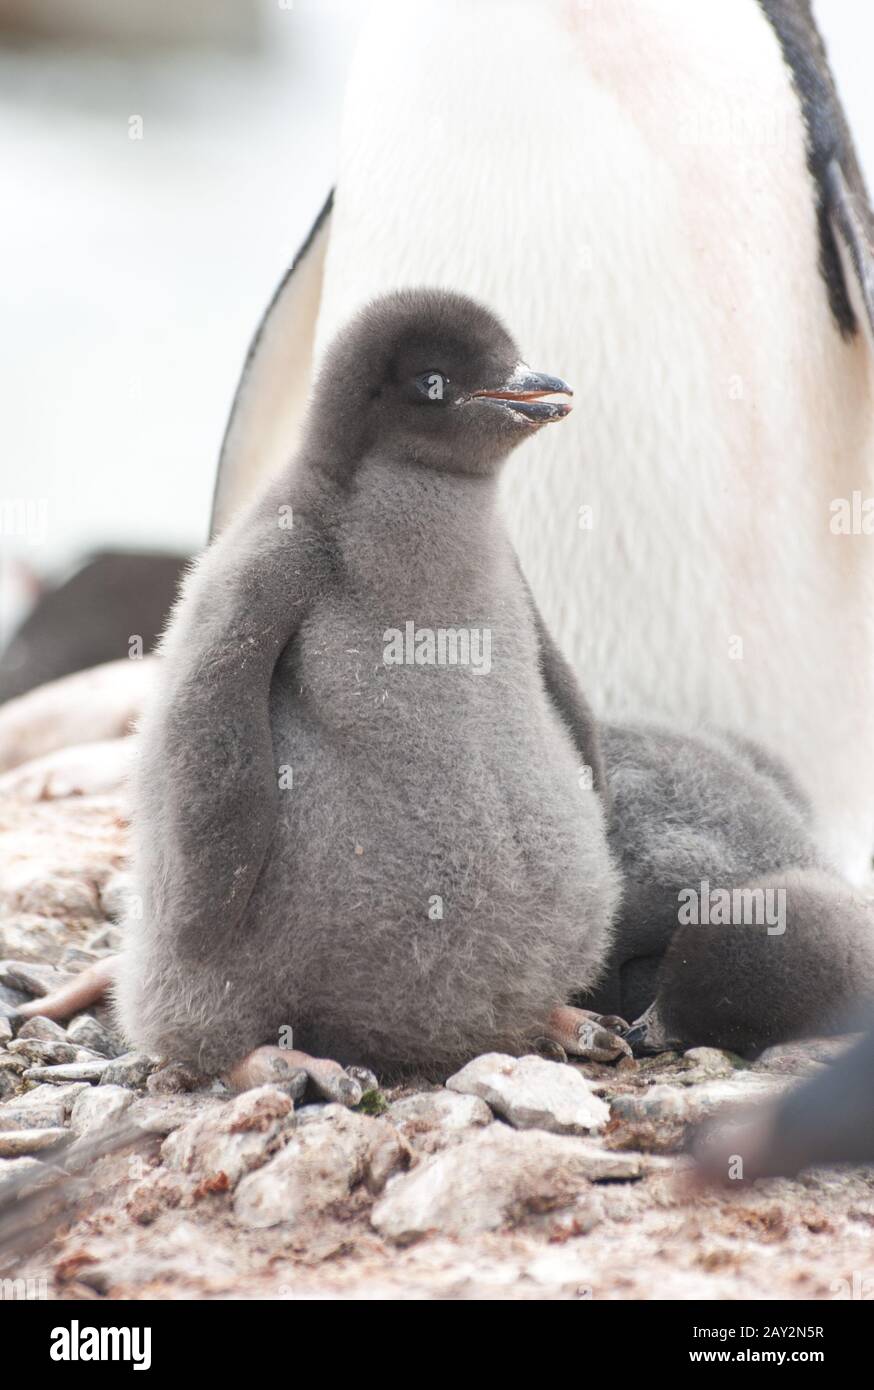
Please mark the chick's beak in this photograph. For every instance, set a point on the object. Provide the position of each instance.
(524, 394)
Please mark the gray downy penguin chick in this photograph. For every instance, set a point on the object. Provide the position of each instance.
(364, 809)
(734, 929)
(796, 956)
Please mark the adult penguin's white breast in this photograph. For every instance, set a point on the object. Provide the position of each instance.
(626, 184)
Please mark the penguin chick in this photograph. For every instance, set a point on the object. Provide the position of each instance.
(795, 969)
(734, 930)
(363, 812)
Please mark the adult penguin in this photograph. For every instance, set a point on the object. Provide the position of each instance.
(664, 197)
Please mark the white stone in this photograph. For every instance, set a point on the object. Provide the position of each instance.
(804, 1057)
(16, 1142)
(12, 1168)
(240, 1137)
(99, 1107)
(709, 1061)
(494, 1179)
(117, 896)
(319, 1165)
(164, 1114)
(690, 1104)
(533, 1093)
(85, 1031)
(39, 1053)
(45, 1107)
(69, 1071)
(44, 1028)
(130, 1069)
(432, 1119)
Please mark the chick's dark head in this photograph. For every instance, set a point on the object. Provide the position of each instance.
(431, 378)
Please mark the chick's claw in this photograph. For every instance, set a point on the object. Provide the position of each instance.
(281, 1066)
(586, 1035)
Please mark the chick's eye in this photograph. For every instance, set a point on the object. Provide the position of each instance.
(432, 385)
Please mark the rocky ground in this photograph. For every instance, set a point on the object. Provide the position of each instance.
(522, 1179)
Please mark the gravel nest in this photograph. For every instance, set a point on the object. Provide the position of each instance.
(520, 1179)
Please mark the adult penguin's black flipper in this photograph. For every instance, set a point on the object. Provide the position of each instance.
(269, 402)
(853, 225)
(846, 221)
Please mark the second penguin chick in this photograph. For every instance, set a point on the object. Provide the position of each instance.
(734, 930)
(366, 810)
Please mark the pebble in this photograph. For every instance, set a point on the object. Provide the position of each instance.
(22, 1176)
(45, 1094)
(11, 999)
(5, 1030)
(10, 1078)
(432, 1119)
(237, 1138)
(12, 1170)
(15, 1143)
(50, 1054)
(43, 1028)
(85, 1031)
(366, 1079)
(711, 1061)
(533, 1093)
(32, 977)
(234, 1141)
(115, 896)
(70, 1071)
(106, 940)
(804, 1057)
(494, 1179)
(690, 1104)
(41, 1108)
(173, 1080)
(99, 1107)
(130, 1069)
(320, 1163)
(46, 1116)
(33, 937)
(74, 958)
(30, 889)
(162, 1114)
(387, 1153)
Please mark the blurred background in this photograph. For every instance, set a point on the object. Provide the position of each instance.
(161, 163)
